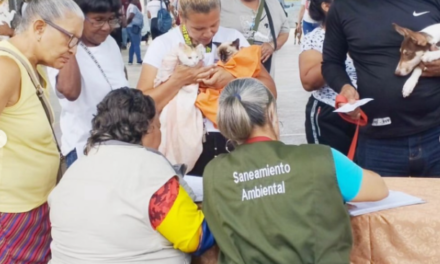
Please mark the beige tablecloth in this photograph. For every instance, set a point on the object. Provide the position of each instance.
(406, 235)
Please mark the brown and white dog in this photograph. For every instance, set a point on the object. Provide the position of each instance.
(416, 48)
(297, 34)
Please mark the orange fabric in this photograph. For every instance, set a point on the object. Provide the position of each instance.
(245, 63)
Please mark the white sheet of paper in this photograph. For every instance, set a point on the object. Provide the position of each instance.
(347, 108)
(196, 184)
(395, 199)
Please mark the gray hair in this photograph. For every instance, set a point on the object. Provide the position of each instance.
(48, 10)
(243, 104)
(198, 6)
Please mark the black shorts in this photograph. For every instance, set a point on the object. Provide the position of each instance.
(325, 127)
(214, 145)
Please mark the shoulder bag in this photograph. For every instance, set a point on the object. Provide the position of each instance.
(44, 102)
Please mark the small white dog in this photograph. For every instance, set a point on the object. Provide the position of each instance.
(415, 48)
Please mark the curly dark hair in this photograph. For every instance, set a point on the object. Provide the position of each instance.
(124, 114)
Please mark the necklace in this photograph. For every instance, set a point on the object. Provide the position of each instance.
(189, 42)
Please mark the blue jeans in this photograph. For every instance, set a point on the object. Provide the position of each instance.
(417, 155)
(308, 27)
(71, 158)
(124, 37)
(135, 45)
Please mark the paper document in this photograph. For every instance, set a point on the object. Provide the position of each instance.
(395, 199)
(347, 108)
(196, 184)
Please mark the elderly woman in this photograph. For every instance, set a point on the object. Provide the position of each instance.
(200, 25)
(88, 77)
(123, 203)
(288, 199)
(48, 35)
(271, 31)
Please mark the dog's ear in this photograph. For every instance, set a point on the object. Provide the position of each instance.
(420, 38)
(401, 30)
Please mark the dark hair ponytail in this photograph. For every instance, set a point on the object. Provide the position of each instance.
(316, 12)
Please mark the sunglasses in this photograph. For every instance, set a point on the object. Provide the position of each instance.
(73, 41)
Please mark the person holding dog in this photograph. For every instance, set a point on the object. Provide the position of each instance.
(401, 137)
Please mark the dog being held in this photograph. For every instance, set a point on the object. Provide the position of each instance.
(416, 48)
(298, 34)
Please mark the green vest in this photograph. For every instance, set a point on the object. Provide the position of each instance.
(268, 202)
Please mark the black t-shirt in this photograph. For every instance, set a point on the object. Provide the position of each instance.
(364, 29)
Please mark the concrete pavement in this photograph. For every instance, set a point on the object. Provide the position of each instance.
(291, 96)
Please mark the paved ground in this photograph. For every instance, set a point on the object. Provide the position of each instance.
(291, 97)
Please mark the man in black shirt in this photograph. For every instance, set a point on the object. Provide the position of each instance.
(402, 135)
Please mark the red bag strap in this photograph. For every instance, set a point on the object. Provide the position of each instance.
(362, 121)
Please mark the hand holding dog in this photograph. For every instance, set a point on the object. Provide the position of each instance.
(352, 96)
(431, 69)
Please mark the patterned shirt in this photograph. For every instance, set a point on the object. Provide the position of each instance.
(315, 41)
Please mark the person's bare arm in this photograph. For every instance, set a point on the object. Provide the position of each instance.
(373, 188)
(310, 70)
(130, 18)
(301, 15)
(161, 94)
(68, 81)
(267, 80)
(5, 30)
(10, 84)
(282, 39)
(181, 76)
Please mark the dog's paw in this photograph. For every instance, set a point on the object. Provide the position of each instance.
(409, 86)
(431, 56)
(427, 57)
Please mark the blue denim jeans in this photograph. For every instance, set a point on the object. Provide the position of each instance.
(417, 155)
(71, 158)
(309, 27)
(124, 37)
(135, 45)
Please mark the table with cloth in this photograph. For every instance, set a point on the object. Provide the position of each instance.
(405, 235)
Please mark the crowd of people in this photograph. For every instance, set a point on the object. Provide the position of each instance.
(122, 201)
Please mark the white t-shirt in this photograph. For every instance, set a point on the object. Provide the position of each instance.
(76, 116)
(23, 8)
(164, 44)
(306, 16)
(154, 6)
(138, 18)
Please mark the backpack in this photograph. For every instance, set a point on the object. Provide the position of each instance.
(164, 20)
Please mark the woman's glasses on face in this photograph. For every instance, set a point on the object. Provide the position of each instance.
(113, 22)
(73, 41)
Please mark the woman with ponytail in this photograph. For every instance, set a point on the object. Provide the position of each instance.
(268, 202)
(323, 126)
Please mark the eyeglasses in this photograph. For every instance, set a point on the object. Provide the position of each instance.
(73, 41)
(114, 22)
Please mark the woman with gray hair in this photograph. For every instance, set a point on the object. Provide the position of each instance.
(123, 202)
(280, 203)
(47, 35)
